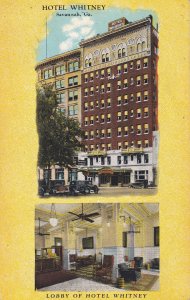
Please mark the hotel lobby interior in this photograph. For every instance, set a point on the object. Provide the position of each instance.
(97, 247)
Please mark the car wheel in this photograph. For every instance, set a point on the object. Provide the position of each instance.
(95, 190)
(86, 190)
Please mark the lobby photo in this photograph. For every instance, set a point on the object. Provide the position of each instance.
(97, 247)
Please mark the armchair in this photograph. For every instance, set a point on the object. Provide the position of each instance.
(104, 271)
(129, 274)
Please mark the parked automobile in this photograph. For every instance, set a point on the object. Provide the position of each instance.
(83, 187)
(139, 184)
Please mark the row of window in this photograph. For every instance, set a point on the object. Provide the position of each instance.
(73, 95)
(72, 81)
(122, 52)
(120, 116)
(120, 85)
(61, 70)
(72, 110)
(120, 145)
(124, 159)
(140, 96)
(120, 69)
(121, 131)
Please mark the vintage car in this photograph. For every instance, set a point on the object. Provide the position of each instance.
(82, 187)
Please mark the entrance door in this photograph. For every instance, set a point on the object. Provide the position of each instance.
(114, 180)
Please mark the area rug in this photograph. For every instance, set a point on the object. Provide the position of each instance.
(143, 284)
(50, 278)
(85, 272)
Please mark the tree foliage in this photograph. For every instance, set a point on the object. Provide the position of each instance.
(59, 135)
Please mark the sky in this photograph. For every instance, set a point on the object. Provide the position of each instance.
(65, 33)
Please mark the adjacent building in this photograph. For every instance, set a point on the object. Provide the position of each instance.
(115, 96)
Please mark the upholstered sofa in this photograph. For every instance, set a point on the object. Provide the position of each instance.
(129, 274)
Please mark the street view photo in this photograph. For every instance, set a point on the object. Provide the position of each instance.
(97, 106)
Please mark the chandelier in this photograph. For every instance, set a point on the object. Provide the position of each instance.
(53, 217)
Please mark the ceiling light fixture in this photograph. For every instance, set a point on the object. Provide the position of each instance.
(53, 217)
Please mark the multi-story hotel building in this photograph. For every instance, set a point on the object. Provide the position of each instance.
(118, 102)
(64, 74)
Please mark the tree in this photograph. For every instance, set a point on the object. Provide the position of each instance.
(59, 135)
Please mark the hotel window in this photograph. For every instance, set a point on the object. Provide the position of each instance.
(62, 109)
(91, 120)
(85, 148)
(119, 53)
(126, 130)
(119, 100)
(48, 74)
(91, 134)
(108, 117)
(97, 133)
(86, 121)
(119, 115)
(143, 46)
(86, 92)
(109, 147)
(59, 84)
(102, 118)
(73, 81)
(138, 64)
(138, 113)
(102, 135)
(109, 132)
(125, 83)
(146, 128)
(125, 68)
(108, 87)
(146, 144)
(109, 72)
(125, 99)
(146, 160)
(97, 118)
(145, 112)
(91, 105)
(85, 105)
(91, 76)
(119, 131)
(73, 66)
(125, 159)
(60, 70)
(102, 73)
(145, 95)
(125, 145)
(131, 113)
(119, 160)
(102, 160)
(119, 145)
(91, 147)
(139, 97)
(119, 85)
(86, 78)
(139, 129)
(86, 63)
(103, 58)
(132, 129)
(145, 62)
(131, 65)
(91, 161)
(91, 90)
(126, 115)
(86, 135)
(102, 103)
(73, 95)
(131, 80)
(156, 236)
(59, 174)
(132, 144)
(138, 80)
(47, 173)
(73, 110)
(97, 103)
(123, 52)
(102, 88)
(131, 97)
(108, 102)
(146, 79)
(107, 57)
(97, 88)
(109, 160)
(118, 69)
(90, 62)
(97, 74)
(139, 160)
(61, 98)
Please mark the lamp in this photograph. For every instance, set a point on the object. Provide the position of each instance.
(53, 217)
(131, 230)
